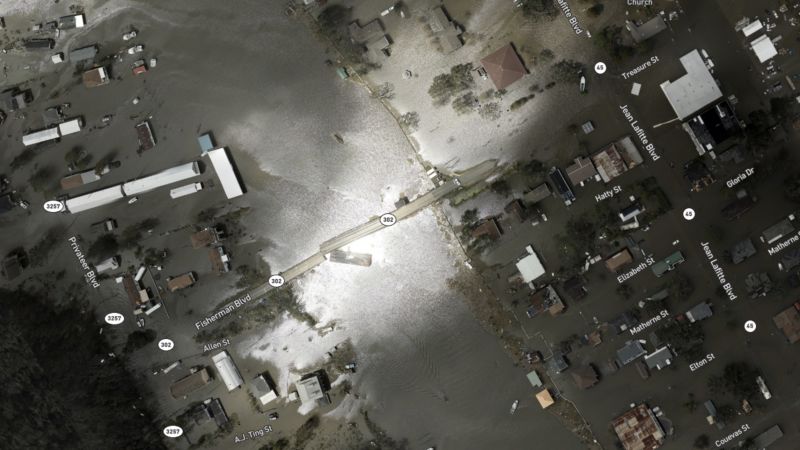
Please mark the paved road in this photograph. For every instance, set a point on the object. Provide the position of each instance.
(467, 178)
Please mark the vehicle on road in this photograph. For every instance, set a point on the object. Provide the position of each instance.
(129, 35)
(133, 200)
(514, 406)
(273, 416)
(135, 49)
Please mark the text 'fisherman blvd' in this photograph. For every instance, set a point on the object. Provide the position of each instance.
(229, 308)
(89, 275)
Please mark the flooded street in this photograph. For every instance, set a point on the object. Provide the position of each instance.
(427, 371)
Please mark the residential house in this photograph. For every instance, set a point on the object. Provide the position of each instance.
(581, 170)
(538, 194)
(575, 288)
(659, 359)
(619, 260)
(788, 321)
(584, 376)
(446, 31)
(698, 175)
(530, 267)
(545, 299)
(562, 186)
(699, 312)
(545, 399)
(488, 227)
(311, 388)
(742, 250)
(630, 352)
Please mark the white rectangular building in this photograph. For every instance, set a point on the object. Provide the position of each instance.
(160, 179)
(694, 91)
(70, 126)
(94, 199)
(530, 267)
(227, 370)
(225, 173)
(753, 28)
(185, 190)
(764, 48)
(37, 137)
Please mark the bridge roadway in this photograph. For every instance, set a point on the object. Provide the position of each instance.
(467, 178)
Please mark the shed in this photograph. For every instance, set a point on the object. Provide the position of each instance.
(545, 399)
(530, 267)
(534, 379)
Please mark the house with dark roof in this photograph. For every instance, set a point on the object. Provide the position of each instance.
(557, 363)
(581, 170)
(446, 31)
(630, 352)
(699, 312)
(488, 227)
(616, 158)
(767, 438)
(545, 299)
(742, 250)
(504, 67)
(644, 31)
(584, 376)
(698, 175)
(516, 210)
(788, 321)
(712, 127)
(738, 207)
(562, 185)
(538, 194)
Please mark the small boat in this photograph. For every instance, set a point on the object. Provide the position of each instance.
(514, 406)
(583, 84)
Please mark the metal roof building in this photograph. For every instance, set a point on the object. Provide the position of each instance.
(638, 429)
(227, 176)
(227, 370)
(94, 199)
(83, 53)
(309, 389)
(37, 137)
(763, 48)
(190, 383)
(693, 91)
(163, 178)
(530, 267)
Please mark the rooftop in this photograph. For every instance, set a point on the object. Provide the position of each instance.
(699, 312)
(638, 429)
(693, 91)
(309, 389)
(530, 267)
(619, 260)
(788, 321)
(616, 159)
(584, 376)
(581, 170)
(544, 398)
(504, 67)
(763, 48)
(659, 359)
(645, 31)
(630, 352)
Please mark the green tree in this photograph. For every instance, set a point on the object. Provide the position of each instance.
(791, 188)
(702, 442)
(595, 10)
(139, 339)
(42, 179)
(105, 246)
(538, 9)
(447, 85)
(501, 187)
(566, 71)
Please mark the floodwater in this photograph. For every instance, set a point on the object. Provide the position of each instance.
(427, 371)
